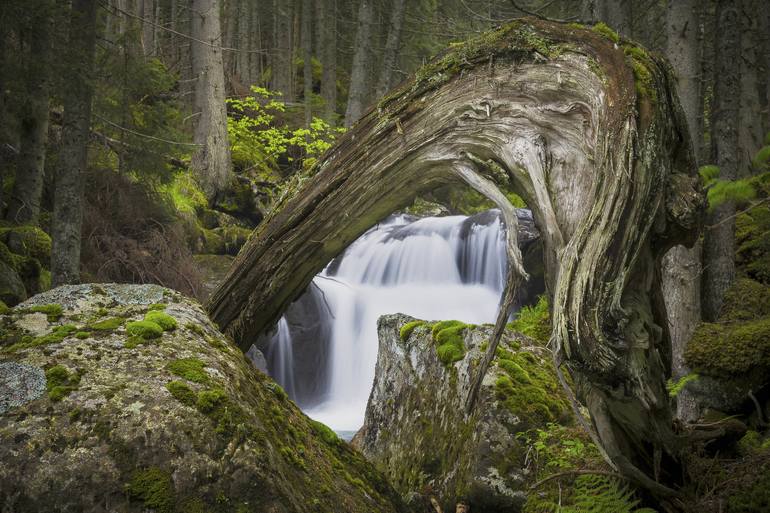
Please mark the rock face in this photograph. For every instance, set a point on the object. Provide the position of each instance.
(126, 398)
(415, 430)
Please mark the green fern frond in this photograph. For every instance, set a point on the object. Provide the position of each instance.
(602, 494)
(708, 174)
(738, 191)
(761, 160)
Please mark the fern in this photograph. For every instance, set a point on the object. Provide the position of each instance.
(603, 494)
(721, 191)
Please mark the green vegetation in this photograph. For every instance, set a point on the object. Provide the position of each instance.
(154, 487)
(157, 306)
(729, 350)
(110, 324)
(408, 328)
(3, 308)
(182, 393)
(675, 387)
(227, 416)
(60, 382)
(448, 337)
(190, 369)
(162, 319)
(325, 432)
(534, 321)
(604, 29)
(58, 334)
(53, 311)
(144, 329)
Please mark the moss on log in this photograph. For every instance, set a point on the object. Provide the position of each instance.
(590, 134)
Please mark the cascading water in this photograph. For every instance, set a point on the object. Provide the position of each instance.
(432, 268)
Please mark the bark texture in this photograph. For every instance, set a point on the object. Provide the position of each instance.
(719, 240)
(328, 30)
(362, 62)
(604, 162)
(77, 96)
(211, 162)
(682, 266)
(24, 202)
(392, 45)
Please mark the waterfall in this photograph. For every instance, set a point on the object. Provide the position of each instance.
(432, 268)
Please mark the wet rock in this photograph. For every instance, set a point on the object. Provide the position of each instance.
(94, 419)
(415, 429)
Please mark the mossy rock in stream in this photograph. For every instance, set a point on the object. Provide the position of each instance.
(181, 423)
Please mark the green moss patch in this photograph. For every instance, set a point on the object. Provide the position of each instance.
(325, 432)
(534, 321)
(675, 387)
(408, 328)
(154, 487)
(227, 416)
(53, 311)
(60, 382)
(57, 335)
(144, 329)
(604, 29)
(110, 324)
(528, 387)
(190, 369)
(157, 306)
(162, 319)
(182, 393)
(728, 350)
(3, 308)
(448, 337)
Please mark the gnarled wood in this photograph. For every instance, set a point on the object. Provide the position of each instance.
(590, 136)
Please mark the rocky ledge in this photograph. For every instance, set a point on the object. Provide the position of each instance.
(126, 398)
(416, 431)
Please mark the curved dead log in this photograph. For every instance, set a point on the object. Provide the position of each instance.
(589, 132)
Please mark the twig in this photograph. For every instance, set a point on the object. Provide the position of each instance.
(576, 473)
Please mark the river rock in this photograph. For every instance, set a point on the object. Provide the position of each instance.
(415, 429)
(98, 413)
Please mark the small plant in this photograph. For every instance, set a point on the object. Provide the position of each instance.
(146, 330)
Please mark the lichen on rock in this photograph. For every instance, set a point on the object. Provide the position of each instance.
(184, 423)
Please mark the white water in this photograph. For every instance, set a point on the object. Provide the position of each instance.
(432, 268)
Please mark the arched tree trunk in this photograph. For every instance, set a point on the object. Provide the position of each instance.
(591, 135)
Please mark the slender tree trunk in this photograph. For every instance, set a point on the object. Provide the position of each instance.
(392, 46)
(682, 266)
(24, 203)
(719, 241)
(751, 131)
(362, 63)
(328, 29)
(282, 51)
(211, 162)
(244, 22)
(77, 94)
(307, 55)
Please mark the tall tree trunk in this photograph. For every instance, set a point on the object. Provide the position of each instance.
(682, 266)
(362, 63)
(211, 162)
(392, 46)
(24, 203)
(77, 94)
(328, 29)
(307, 55)
(719, 240)
(454, 122)
(281, 64)
(244, 47)
(751, 131)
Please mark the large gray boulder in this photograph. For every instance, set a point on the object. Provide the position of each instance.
(101, 413)
(415, 429)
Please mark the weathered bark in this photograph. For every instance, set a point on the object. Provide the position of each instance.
(362, 63)
(24, 202)
(617, 14)
(307, 55)
(328, 29)
(211, 162)
(73, 157)
(608, 173)
(392, 45)
(751, 129)
(719, 240)
(681, 266)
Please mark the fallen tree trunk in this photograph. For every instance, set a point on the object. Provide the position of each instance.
(588, 131)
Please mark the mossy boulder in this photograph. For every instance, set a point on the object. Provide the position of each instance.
(416, 431)
(27, 240)
(12, 290)
(180, 423)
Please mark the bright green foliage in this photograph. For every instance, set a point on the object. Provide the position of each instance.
(534, 321)
(60, 382)
(184, 192)
(162, 319)
(53, 311)
(325, 432)
(258, 141)
(82, 335)
(190, 369)
(721, 191)
(761, 161)
(408, 328)
(603, 494)
(154, 487)
(110, 324)
(228, 416)
(32, 241)
(58, 334)
(674, 387)
(144, 329)
(157, 306)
